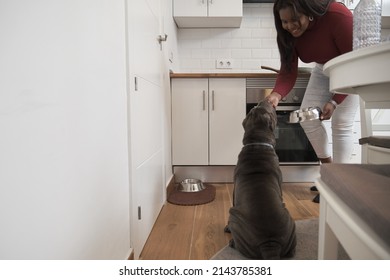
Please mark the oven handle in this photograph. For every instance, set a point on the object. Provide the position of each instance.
(287, 108)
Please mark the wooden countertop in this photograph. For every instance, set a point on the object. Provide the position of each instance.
(229, 75)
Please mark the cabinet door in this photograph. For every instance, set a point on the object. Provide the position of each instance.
(385, 8)
(189, 121)
(218, 8)
(207, 13)
(227, 111)
(188, 8)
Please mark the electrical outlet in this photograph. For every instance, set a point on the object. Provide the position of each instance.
(224, 64)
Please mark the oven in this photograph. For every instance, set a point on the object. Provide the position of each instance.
(292, 145)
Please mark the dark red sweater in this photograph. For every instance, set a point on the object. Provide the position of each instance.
(325, 38)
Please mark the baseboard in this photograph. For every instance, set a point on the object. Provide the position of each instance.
(131, 255)
(207, 174)
(171, 185)
(224, 174)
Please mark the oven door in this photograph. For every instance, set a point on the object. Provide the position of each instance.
(292, 145)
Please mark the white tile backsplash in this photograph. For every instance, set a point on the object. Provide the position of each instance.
(250, 46)
(241, 53)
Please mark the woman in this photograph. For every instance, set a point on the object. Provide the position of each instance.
(316, 31)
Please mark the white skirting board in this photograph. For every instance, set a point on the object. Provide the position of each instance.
(224, 174)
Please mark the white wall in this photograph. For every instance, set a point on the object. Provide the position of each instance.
(250, 46)
(64, 191)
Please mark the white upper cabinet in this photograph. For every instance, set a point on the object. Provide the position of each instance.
(351, 4)
(207, 13)
(386, 8)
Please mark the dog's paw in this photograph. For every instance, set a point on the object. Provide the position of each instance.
(232, 244)
(227, 229)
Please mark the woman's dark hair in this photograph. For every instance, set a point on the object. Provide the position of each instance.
(310, 8)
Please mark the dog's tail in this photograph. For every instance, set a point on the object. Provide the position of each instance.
(271, 250)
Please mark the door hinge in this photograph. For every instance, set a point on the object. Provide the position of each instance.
(139, 212)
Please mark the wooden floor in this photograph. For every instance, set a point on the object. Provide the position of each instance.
(196, 232)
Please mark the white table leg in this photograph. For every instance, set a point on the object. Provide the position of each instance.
(327, 241)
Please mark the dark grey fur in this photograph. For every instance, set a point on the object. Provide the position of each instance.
(259, 222)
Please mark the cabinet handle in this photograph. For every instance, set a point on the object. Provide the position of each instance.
(212, 100)
(204, 100)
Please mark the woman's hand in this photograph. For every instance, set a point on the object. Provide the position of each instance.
(327, 111)
(274, 98)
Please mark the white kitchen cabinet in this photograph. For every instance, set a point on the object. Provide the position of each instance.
(386, 8)
(351, 4)
(207, 117)
(190, 121)
(385, 13)
(207, 13)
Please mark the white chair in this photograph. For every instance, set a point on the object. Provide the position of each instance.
(354, 210)
(375, 149)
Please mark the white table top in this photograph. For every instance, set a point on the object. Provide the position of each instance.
(359, 68)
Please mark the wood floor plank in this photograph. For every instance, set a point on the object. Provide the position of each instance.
(171, 235)
(230, 189)
(196, 232)
(300, 190)
(296, 209)
(312, 208)
(297, 199)
(210, 220)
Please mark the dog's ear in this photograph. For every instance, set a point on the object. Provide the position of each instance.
(247, 118)
(245, 121)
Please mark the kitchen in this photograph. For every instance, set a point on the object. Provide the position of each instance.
(85, 114)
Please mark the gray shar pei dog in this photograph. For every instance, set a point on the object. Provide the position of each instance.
(259, 222)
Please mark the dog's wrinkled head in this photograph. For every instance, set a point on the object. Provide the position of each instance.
(263, 116)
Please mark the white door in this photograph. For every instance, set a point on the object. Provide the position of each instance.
(145, 119)
(227, 111)
(190, 121)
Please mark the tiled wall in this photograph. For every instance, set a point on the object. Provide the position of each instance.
(249, 47)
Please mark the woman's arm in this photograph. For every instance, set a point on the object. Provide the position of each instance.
(285, 81)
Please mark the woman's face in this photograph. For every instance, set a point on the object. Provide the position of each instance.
(296, 25)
